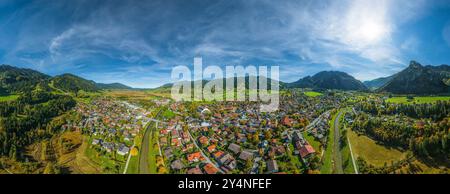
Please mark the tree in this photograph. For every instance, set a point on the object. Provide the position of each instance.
(134, 151)
(49, 168)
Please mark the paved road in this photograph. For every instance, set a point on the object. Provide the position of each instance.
(337, 146)
(351, 154)
(143, 156)
(128, 160)
(317, 120)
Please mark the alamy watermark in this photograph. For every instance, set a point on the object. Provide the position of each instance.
(248, 83)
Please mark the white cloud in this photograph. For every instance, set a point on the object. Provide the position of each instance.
(446, 34)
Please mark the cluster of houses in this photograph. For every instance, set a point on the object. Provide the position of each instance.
(180, 150)
(318, 128)
(233, 137)
(109, 128)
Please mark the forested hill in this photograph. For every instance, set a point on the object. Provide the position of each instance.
(377, 83)
(418, 79)
(14, 80)
(329, 80)
(18, 80)
(29, 119)
(72, 83)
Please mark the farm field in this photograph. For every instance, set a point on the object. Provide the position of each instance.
(418, 100)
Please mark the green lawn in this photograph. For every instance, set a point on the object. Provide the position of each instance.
(347, 163)
(133, 166)
(313, 94)
(419, 100)
(106, 161)
(8, 98)
(168, 114)
(315, 144)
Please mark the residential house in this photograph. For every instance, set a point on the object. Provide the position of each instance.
(177, 165)
(272, 166)
(123, 150)
(211, 148)
(195, 170)
(246, 155)
(234, 148)
(210, 169)
(194, 157)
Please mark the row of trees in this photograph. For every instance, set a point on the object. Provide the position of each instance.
(435, 111)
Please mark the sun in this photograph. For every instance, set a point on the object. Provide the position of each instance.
(372, 32)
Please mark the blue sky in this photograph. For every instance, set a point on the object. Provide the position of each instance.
(138, 42)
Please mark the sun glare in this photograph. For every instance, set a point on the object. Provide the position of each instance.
(372, 32)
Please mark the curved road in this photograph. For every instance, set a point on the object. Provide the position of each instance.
(337, 157)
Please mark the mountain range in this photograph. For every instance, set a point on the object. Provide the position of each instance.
(377, 83)
(329, 80)
(415, 79)
(14, 80)
(418, 79)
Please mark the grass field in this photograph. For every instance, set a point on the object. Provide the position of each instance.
(133, 94)
(168, 114)
(111, 163)
(347, 163)
(419, 100)
(133, 166)
(313, 94)
(153, 152)
(327, 166)
(372, 152)
(8, 98)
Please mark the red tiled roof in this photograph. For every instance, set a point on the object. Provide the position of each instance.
(306, 150)
(210, 169)
(194, 156)
(203, 140)
(218, 154)
(195, 170)
(211, 148)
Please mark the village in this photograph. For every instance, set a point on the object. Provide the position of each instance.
(234, 137)
(111, 127)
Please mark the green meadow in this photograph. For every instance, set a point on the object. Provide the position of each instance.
(313, 94)
(418, 100)
(8, 98)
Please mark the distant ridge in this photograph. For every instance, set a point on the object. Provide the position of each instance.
(329, 80)
(377, 83)
(418, 79)
(225, 80)
(113, 86)
(15, 80)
